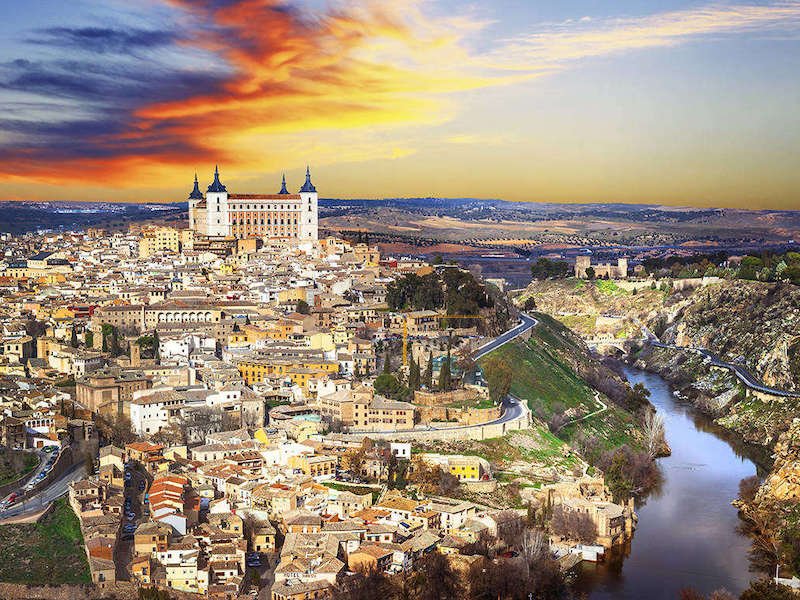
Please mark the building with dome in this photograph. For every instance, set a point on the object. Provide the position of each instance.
(281, 215)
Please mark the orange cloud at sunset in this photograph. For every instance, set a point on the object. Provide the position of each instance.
(434, 97)
(372, 66)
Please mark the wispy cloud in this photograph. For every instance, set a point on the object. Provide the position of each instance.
(103, 39)
(572, 40)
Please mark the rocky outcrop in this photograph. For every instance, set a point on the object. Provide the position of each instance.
(756, 323)
(783, 482)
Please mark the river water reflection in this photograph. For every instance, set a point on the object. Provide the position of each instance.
(687, 527)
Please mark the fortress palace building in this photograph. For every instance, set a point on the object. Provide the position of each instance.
(281, 215)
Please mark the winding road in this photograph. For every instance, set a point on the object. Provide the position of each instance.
(526, 322)
(745, 376)
(56, 489)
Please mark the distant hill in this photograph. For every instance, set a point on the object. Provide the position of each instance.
(22, 217)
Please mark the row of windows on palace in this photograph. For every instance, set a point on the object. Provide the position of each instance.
(261, 207)
(269, 222)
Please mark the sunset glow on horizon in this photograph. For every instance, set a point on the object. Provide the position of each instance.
(694, 104)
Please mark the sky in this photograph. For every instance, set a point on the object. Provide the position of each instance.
(640, 101)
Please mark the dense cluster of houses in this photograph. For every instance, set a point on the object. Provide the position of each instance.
(243, 370)
(209, 509)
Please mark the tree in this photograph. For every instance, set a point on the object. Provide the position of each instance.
(748, 488)
(544, 268)
(364, 585)
(498, 375)
(35, 328)
(74, 339)
(749, 267)
(444, 372)
(429, 371)
(387, 363)
(590, 274)
(115, 428)
(444, 375)
(439, 579)
(156, 345)
(413, 375)
(303, 308)
(617, 478)
(89, 338)
(171, 435)
(418, 292)
(110, 339)
(530, 304)
(653, 430)
(573, 525)
(387, 385)
(767, 589)
(153, 593)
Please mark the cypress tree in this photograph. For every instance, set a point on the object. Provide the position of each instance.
(74, 340)
(429, 371)
(156, 344)
(444, 375)
(386, 363)
(444, 372)
(413, 375)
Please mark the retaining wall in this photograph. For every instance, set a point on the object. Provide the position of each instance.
(473, 432)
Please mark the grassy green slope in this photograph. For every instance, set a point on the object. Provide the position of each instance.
(50, 551)
(544, 376)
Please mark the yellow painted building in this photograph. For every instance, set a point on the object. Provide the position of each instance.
(315, 466)
(157, 239)
(465, 469)
(301, 372)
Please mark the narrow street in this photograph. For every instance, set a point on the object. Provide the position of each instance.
(123, 551)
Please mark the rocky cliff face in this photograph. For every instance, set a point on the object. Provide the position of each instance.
(757, 323)
(783, 483)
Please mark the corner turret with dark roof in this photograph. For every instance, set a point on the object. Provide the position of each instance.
(283, 186)
(196, 193)
(216, 185)
(308, 186)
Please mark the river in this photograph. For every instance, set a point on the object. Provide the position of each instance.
(687, 533)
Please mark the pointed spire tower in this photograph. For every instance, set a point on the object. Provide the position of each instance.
(196, 193)
(308, 210)
(216, 185)
(283, 185)
(308, 186)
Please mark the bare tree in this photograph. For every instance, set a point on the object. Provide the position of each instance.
(573, 525)
(653, 429)
(532, 546)
(748, 488)
(171, 435)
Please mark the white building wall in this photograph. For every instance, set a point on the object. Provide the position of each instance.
(308, 219)
(217, 213)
